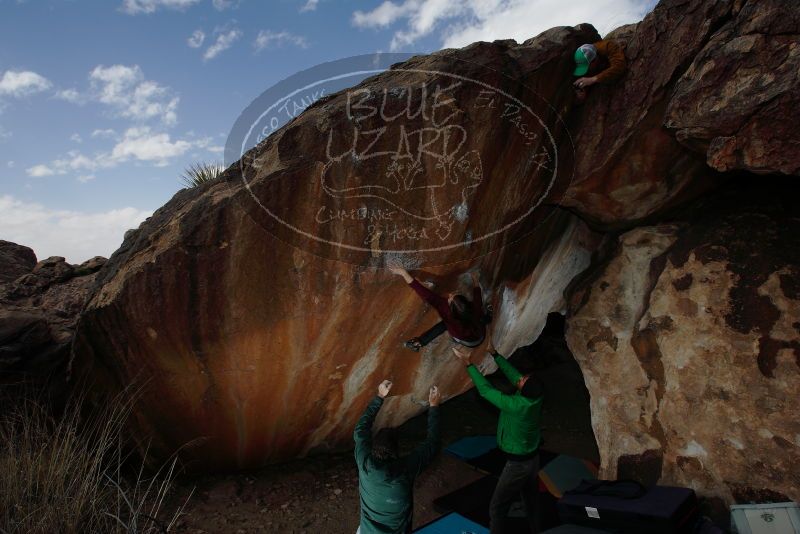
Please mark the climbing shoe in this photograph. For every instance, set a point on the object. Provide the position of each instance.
(413, 344)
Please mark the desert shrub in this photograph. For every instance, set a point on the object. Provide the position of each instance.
(71, 474)
(200, 173)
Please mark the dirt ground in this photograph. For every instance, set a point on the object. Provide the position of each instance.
(320, 494)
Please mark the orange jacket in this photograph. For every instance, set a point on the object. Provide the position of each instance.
(614, 53)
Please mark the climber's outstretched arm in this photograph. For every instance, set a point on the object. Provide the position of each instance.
(424, 453)
(438, 302)
(485, 389)
(477, 294)
(503, 364)
(396, 268)
(363, 431)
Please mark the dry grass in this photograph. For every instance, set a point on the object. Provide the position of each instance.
(70, 474)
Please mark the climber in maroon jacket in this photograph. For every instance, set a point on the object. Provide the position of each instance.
(465, 320)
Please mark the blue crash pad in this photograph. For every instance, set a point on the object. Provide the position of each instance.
(453, 523)
(471, 447)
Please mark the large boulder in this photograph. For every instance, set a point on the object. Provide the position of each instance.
(257, 309)
(688, 338)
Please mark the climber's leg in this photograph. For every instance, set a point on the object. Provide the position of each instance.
(432, 333)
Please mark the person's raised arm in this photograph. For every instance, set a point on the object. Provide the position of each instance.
(503, 364)
(399, 270)
(477, 295)
(424, 453)
(362, 434)
(438, 302)
(485, 389)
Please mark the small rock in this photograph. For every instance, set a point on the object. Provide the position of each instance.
(54, 268)
(15, 261)
(90, 266)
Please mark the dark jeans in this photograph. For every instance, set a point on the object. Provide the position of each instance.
(517, 479)
(440, 328)
(432, 333)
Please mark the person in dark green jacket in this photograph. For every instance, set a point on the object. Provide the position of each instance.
(518, 436)
(385, 479)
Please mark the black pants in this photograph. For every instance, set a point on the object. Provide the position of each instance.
(440, 328)
(432, 333)
(517, 479)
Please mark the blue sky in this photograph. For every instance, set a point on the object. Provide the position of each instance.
(103, 103)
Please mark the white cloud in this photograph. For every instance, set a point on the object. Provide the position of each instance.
(126, 90)
(137, 144)
(461, 22)
(76, 161)
(76, 138)
(108, 132)
(267, 38)
(4, 134)
(196, 39)
(22, 83)
(70, 95)
(383, 15)
(37, 171)
(134, 7)
(144, 145)
(75, 235)
(84, 178)
(222, 5)
(10, 164)
(310, 5)
(224, 41)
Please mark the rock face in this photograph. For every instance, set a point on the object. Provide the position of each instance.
(263, 325)
(524, 306)
(689, 342)
(735, 105)
(737, 101)
(258, 310)
(285, 367)
(629, 166)
(39, 310)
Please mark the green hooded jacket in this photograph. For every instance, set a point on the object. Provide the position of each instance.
(519, 426)
(386, 487)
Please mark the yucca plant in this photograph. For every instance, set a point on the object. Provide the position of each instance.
(200, 173)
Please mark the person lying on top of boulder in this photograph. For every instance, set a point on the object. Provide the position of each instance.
(603, 62)
(465, 320)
